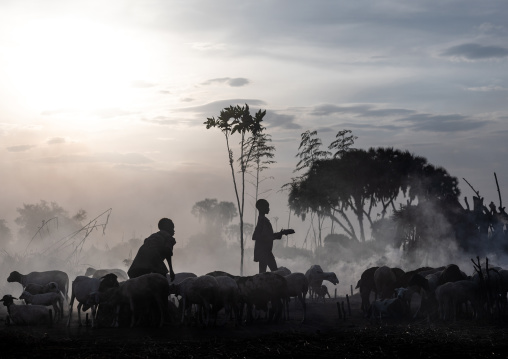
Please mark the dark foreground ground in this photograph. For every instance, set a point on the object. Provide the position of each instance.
(324, 335)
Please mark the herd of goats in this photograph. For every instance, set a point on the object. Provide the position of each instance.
(153, 299)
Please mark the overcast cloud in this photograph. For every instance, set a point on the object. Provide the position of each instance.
(20, 148)
(476, 52)
(236, 82)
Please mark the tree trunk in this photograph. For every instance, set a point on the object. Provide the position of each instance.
(320, 229)
(243, 168)
(313, 230)
(360, 222)
(241, 245)
(240, 209)
(351, 231)
(359, 215)
(333, 223)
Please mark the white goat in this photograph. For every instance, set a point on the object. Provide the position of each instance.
(26, 314)
(47, 299)
(315, 275)
(99, 273)
(178, 278)
(202, 290)
(42, 278)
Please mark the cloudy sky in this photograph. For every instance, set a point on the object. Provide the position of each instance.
(102, 103)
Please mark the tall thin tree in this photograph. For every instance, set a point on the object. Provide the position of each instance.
(231, 120)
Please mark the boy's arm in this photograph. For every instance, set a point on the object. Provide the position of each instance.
(170, 264)
(168, 255)
(279, 235)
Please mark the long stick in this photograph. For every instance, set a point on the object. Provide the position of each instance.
(289, 218)
(499, 193)
(44, 223)
(475, 191)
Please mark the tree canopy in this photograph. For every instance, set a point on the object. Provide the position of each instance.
(361, 180)
(215, 214)
(44, 217)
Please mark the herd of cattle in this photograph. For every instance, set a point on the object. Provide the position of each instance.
(443, 292)
(116, 300)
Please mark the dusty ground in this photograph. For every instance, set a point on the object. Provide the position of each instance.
(323, 335)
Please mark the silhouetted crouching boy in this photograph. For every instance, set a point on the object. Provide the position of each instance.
(264, 236)
(156, 248)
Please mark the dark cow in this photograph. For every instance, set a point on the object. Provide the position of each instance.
(385, 279)
(366, 285)
(451, 273)
(260, 289)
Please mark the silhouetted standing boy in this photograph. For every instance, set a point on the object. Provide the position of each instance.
(264, 236)
(156, 248)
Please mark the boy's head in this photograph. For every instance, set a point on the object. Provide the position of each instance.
(263, 206)
(165, 224)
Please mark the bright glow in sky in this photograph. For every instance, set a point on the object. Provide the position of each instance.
(103, 102)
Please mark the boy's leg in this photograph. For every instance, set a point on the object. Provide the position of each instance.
(272, 264)
(262, 266)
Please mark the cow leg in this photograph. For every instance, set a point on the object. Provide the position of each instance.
(206, 312)
(160, 304)
(56, 317)
(70, 310)
(302, 300)
(183, 309)
(133, 316)
(117, 313)
(79, 314)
